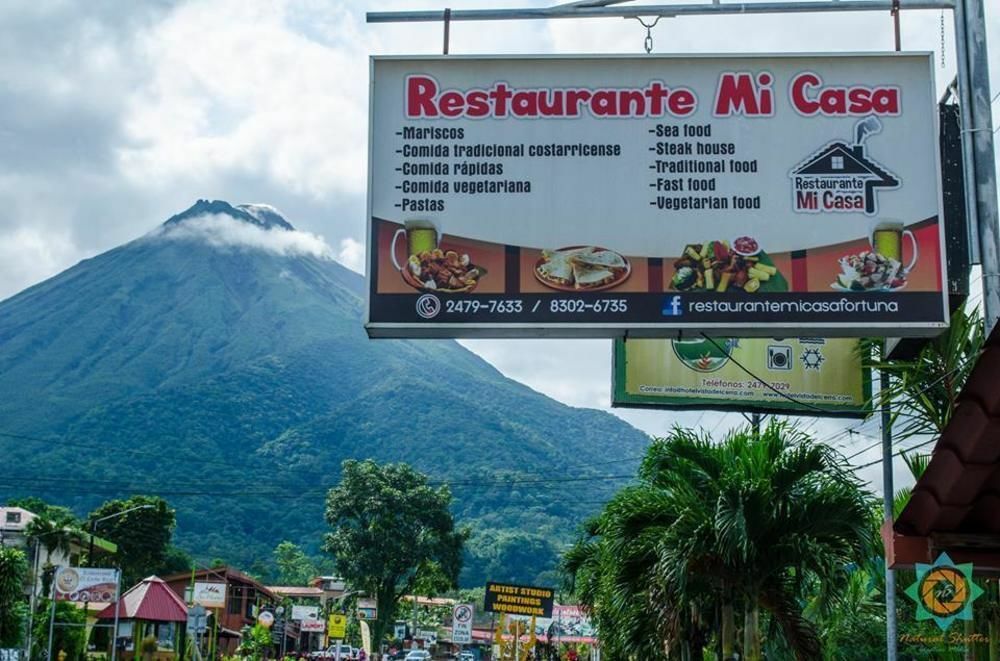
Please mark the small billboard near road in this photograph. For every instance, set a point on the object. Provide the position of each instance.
(518, 599)
(336, 626)
(814, 376)
(86, 584)
(209, 595)
(763, 195)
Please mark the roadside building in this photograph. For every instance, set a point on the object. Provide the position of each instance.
(302, 636)
(233, 598)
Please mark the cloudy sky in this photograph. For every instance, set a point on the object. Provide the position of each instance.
(115, 115)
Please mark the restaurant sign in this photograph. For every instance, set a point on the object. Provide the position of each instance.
(573, 196)
(86, 584)
(817, 376)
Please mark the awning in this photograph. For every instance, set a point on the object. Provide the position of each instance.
(955, 506)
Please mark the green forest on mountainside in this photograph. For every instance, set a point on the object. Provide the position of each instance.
(233, 381)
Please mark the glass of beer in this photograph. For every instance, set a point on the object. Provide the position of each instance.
(887, 240)
(421, 236)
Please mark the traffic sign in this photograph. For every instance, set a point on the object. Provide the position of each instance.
(461, 624)
(197, 619)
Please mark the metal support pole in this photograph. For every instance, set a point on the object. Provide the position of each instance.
(604, 11)
(52, 617)
(33, 600)
(887, 505)
(447, 30)
(755, 425)
(981, 130)
(895, 25)
(118, 601)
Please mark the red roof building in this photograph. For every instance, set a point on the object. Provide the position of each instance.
(149, 610)
(151, 600)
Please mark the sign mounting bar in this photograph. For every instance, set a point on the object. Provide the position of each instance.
(613, 8)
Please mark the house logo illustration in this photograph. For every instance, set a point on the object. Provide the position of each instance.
(944, 591)
(841, 177)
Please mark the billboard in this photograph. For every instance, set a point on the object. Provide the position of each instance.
(814, 376)
(85, 584)
(590, 196)
(300, 612)
(518, 599)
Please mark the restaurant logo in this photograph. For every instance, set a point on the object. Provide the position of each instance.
(944, 591)
(841, 177)
(702, 354)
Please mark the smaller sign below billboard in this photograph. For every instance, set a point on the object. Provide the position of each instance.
(518, 599)
(814, 376)
(83, 585)
(312, 625)
(461, 624)
(209, 595)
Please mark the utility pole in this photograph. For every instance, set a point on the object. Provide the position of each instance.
(887, 505)
(977, 139)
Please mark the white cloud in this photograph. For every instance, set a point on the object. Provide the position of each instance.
(222, 231)
(352, 254)
(31, 253)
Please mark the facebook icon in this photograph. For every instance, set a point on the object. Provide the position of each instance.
(672, 306)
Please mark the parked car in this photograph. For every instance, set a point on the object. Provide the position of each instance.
(418, 655)
(330, 653)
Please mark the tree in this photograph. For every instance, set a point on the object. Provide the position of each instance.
(294, 566)
(13, 577)
(752, 520)
(143, 535)
(70, 639)
(387, 524)
(924, 390)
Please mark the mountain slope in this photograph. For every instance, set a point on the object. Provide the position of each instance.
(221, 362)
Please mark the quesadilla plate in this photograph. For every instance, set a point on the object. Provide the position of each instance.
(582, 269)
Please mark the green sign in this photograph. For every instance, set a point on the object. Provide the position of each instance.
(818, 376)
(944, 591)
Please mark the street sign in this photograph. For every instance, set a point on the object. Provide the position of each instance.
(337, 626)
(197, 619)
(461, 624)
(399, 631)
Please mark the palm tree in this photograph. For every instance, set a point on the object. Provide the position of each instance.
(924, 390)
(751, 520)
